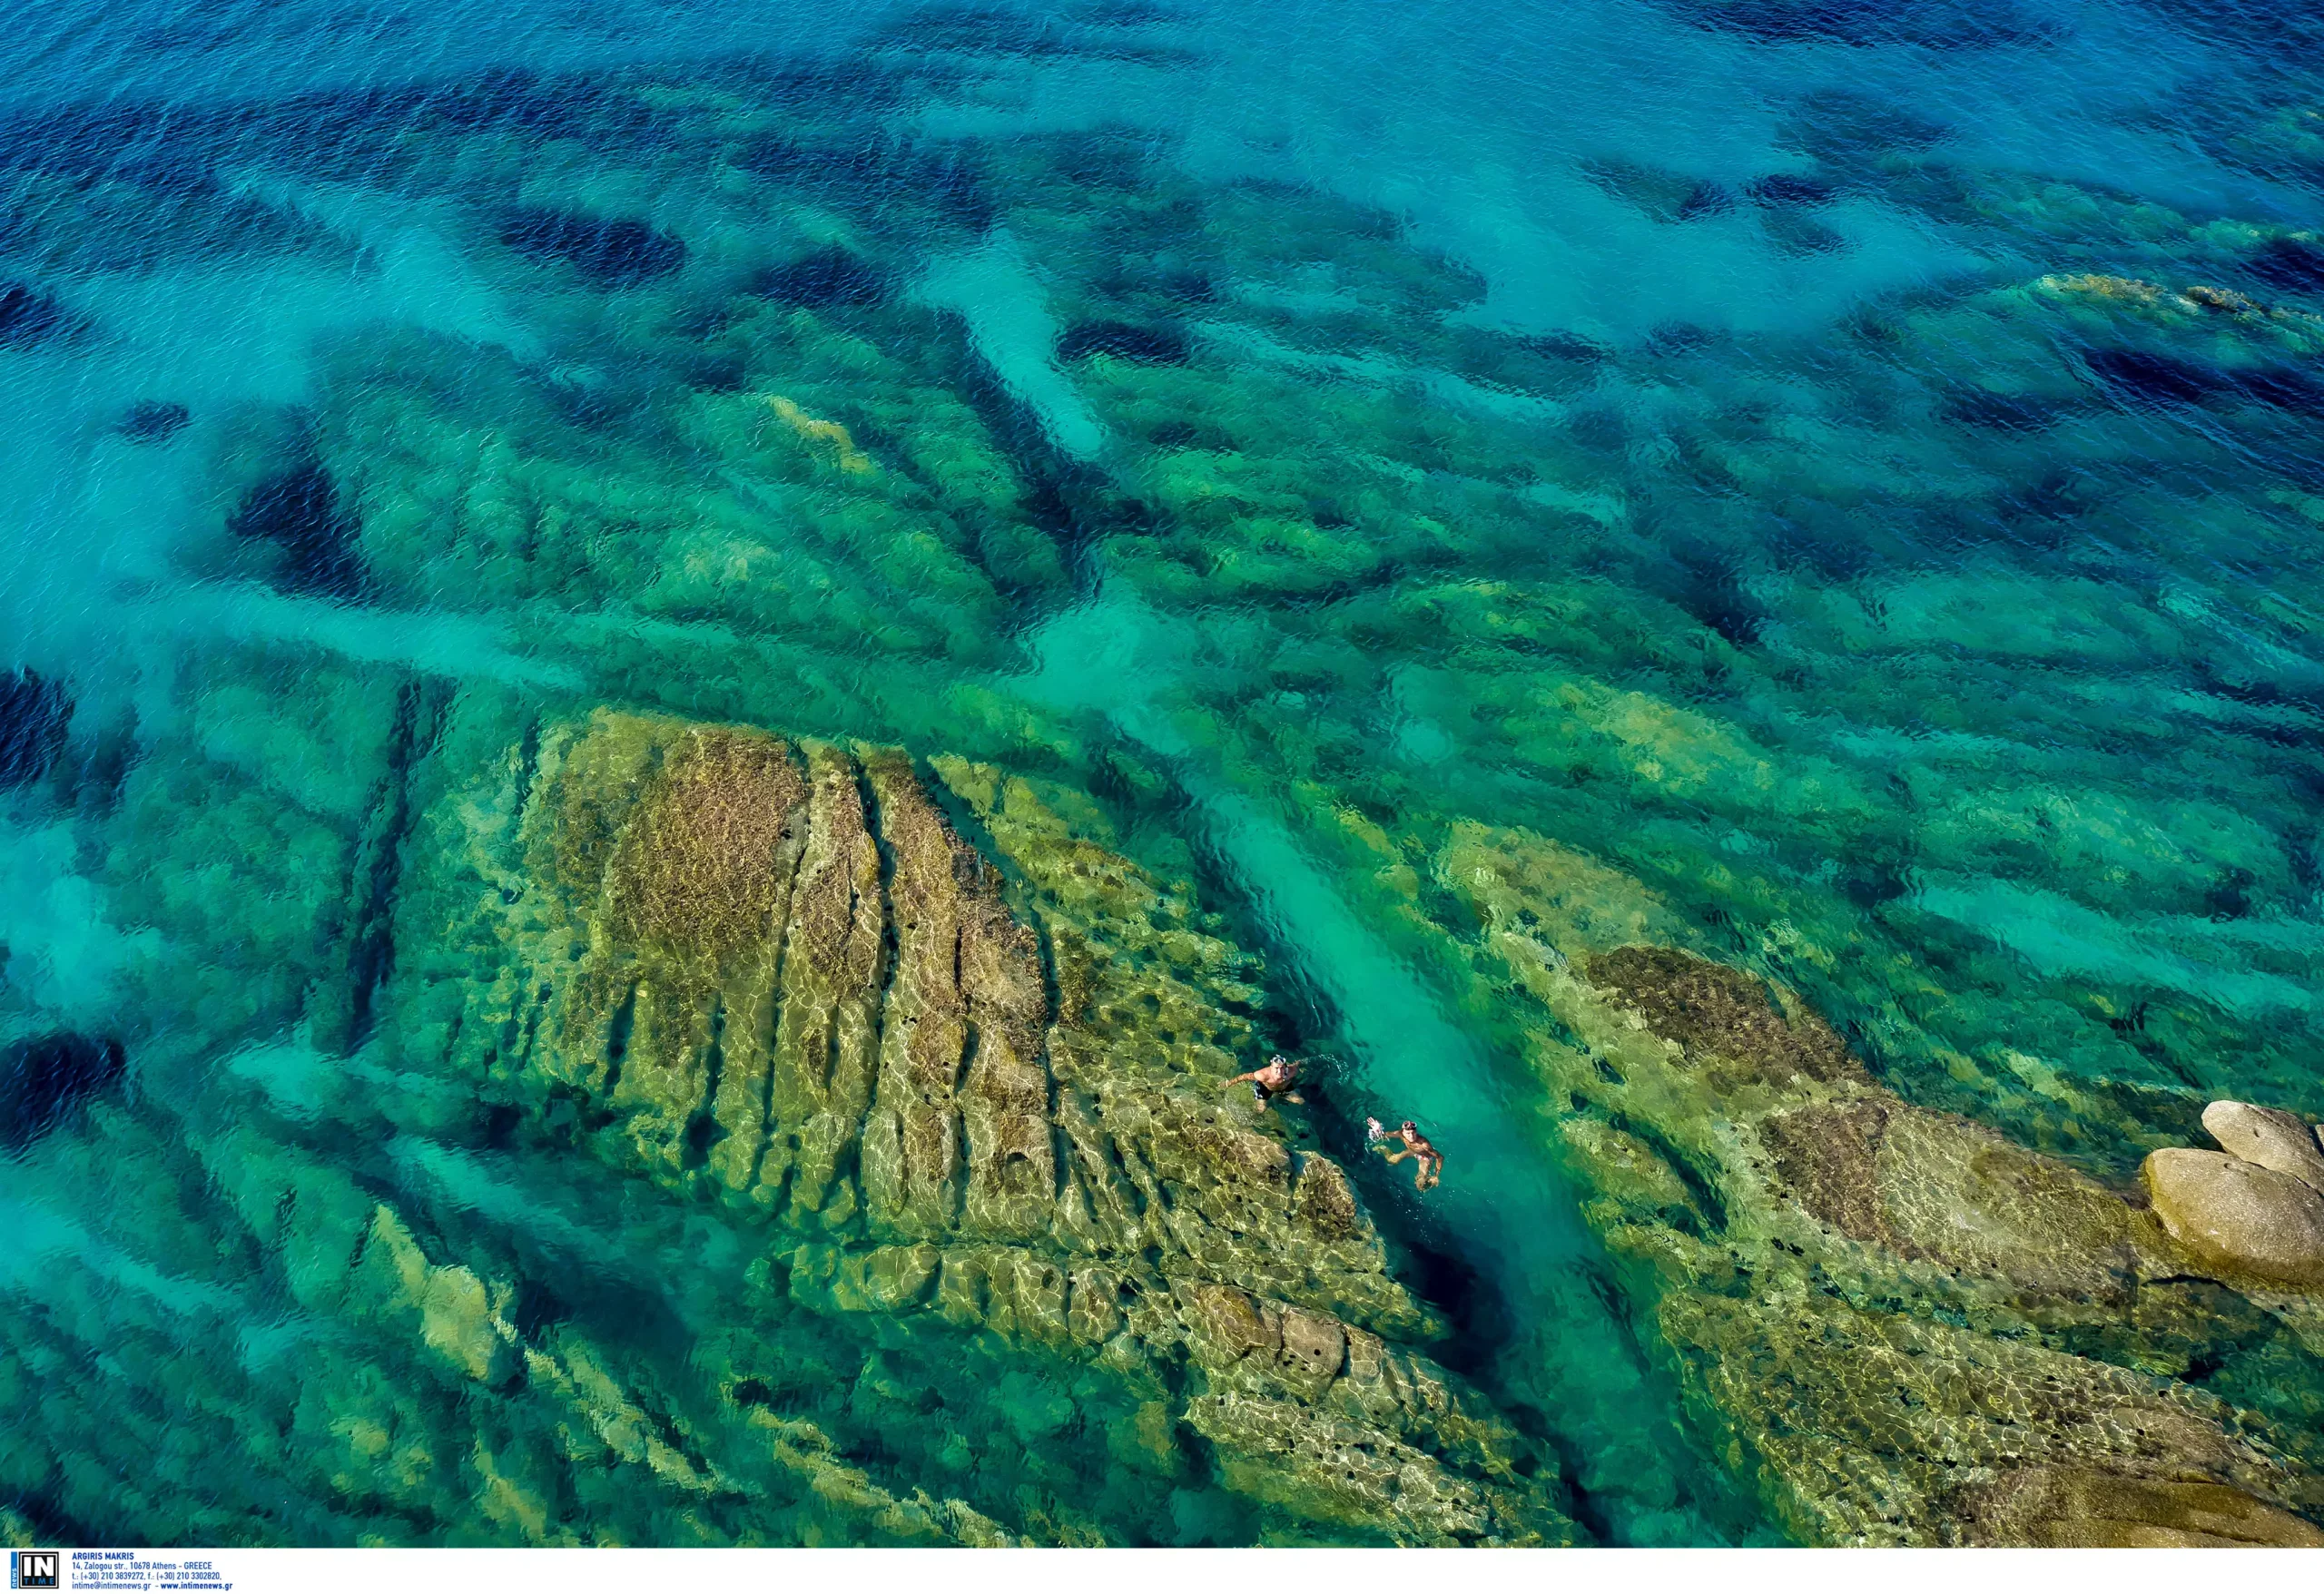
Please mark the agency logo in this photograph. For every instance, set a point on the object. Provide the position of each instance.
(35, 1569)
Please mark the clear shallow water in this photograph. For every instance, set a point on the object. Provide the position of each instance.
(1830, 489)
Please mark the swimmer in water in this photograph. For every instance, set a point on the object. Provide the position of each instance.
(1407, 1141)
(1276, 1079)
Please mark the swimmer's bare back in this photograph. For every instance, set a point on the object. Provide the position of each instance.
(1274, 1079)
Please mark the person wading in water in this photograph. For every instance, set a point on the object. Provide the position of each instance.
(1276, 1079)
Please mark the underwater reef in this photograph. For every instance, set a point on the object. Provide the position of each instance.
(650, 953)
(916, 1156)
(1920, 1331)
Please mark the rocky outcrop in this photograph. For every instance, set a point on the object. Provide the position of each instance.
(2255, 1211)
(363, 1267)
(2060, 1507)
(1918, 1330)
(774, 976)
(660, 1016)
(758, 1141)
(2269, 1138)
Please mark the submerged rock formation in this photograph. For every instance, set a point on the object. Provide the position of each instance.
(616, 253)
(30, 318)
(1919, 1331)
(298, 510)
(749, 1141)
(33, 712)
(43, 1079)
(774, 976)
(646, 1129)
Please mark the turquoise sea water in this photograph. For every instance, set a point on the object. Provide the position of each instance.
(1831, 487)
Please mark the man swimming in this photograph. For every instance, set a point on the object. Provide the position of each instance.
(1413, 1144)
(1276, 1079)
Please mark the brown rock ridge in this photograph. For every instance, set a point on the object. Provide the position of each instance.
(1913, 1329)
(775, 976)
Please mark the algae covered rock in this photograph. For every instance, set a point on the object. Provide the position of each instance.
(1717, 1015)
(927, 1083)
(739, 1174)
(2063, 1508)
(640, 1125)
(1913, 1328)
(1930, 1186)
(1874, 1419)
